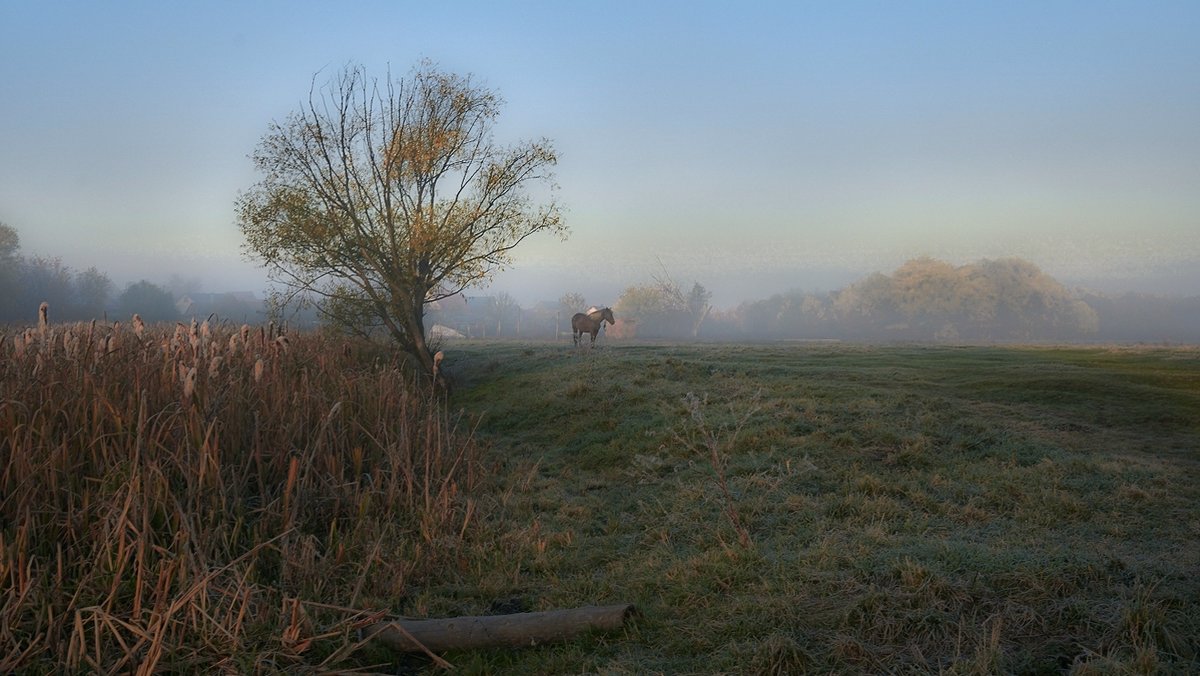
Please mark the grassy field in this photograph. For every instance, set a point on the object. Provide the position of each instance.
(826, 508)
(223, 500)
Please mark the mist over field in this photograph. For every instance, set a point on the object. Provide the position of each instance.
(733, 281)
(922, 299)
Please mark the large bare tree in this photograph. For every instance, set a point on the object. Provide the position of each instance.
(379, 197)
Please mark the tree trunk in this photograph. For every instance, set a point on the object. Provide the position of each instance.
(421, 351)
(696, 324)
(413, 321)
(498, 631)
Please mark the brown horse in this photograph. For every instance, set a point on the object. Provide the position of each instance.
(590, 323)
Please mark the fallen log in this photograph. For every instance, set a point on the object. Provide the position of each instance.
(497, 631)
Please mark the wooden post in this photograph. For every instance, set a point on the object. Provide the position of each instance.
(498, 631)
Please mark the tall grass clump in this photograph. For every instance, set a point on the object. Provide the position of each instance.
(215, 498)
(698, 435)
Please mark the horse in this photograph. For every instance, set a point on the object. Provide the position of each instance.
(590, 323)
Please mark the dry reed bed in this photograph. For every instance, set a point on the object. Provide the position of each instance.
(213, 498)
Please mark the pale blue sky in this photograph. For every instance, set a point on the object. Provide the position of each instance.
(754, 147)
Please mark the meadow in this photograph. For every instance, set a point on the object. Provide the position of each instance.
(826, 508)
(226, 499)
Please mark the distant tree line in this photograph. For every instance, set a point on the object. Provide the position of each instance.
(931, 300)
(25, 282)
(82, 295)
(923, 300)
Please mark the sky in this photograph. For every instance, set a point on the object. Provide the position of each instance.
(753, 147)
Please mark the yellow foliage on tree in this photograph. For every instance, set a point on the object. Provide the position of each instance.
(379, 197)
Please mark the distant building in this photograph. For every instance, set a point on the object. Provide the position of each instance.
(443, 332)
(469, 316)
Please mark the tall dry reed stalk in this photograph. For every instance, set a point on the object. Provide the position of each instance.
(289, 496)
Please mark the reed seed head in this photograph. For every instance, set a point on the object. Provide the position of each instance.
(189, 384)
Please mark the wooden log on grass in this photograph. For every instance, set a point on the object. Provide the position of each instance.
(498, 631)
